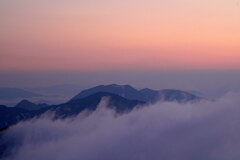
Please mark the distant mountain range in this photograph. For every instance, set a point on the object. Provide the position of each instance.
(13, 93)
(65, 89)
(22, 111)
(146, 95)
(122, 98)
(27, 105)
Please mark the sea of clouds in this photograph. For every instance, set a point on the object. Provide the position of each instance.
(207, 130)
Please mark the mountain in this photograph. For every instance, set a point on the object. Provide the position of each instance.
(27, 105)
(177, 95)
(27, 110)
(122, 98)
(125, 91)
(13, 93)
(146, 95)
(75, 106)
(12, 115)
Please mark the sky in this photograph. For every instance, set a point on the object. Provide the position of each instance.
(180, 44)
(94, 35)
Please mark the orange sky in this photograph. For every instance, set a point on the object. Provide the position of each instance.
(92, 35)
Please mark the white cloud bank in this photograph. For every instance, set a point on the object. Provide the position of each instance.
(164, 131)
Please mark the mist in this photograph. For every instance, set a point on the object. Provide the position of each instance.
(206, 130)
(212, 83)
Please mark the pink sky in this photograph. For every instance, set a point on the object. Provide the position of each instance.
(113, 35)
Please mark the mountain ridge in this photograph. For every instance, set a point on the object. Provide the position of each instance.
(27, 105)
(124, 99)
(146, 94)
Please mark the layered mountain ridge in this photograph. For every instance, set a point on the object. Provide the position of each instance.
(121, 98)
(147, 95)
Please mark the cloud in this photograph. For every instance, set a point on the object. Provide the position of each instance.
(206, 130)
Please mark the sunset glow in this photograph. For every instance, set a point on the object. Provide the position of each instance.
(119, 35)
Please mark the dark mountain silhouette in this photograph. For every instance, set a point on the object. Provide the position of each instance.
(27, 105)
(12, 115)
(24, 111)
(146, 95)
(74, 107)
(121, 98)
(125, 91)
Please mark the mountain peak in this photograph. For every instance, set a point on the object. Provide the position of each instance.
(122, 90)
(24, 102)
(27, 105)
(146, 94)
